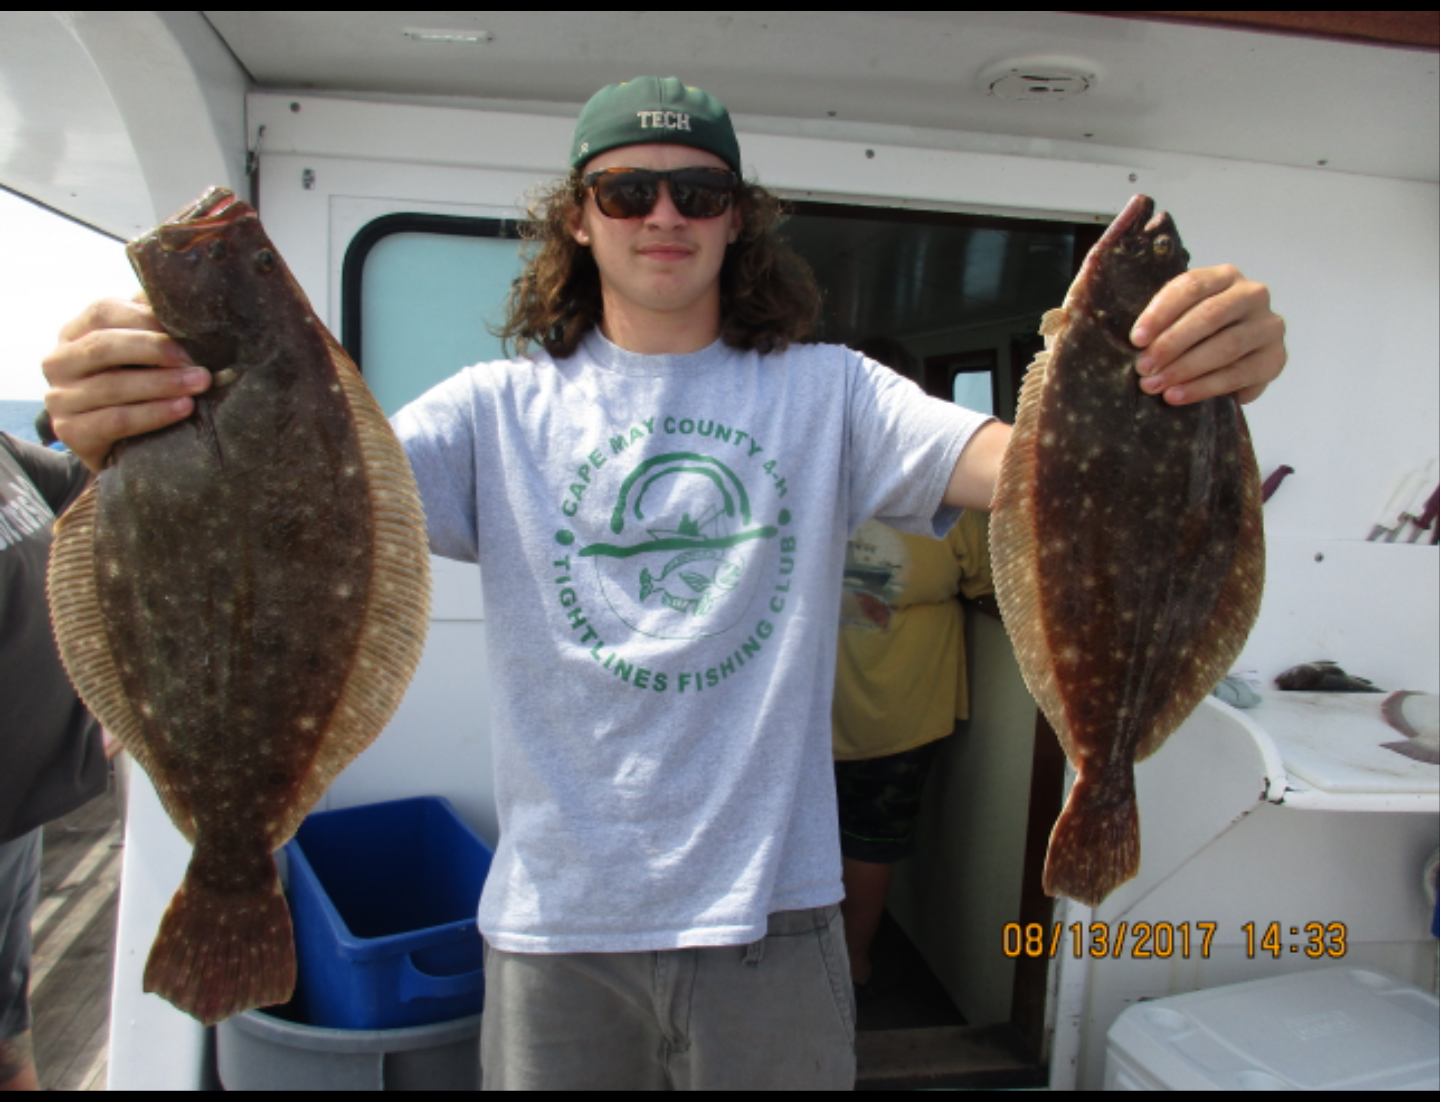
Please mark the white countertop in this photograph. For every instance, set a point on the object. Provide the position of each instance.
(1339, 745)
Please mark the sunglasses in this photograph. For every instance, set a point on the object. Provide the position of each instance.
(633, 192)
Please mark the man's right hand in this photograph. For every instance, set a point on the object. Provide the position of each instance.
(116, 374)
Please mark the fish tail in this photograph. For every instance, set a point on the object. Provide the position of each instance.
(1095, 846)
(222, 951)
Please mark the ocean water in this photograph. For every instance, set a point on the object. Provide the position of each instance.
(18, 419)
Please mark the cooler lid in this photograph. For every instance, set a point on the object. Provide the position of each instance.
(1384, 743)
(1337, 1029)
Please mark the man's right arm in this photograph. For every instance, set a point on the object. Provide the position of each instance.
(116, 374)
(972, 483)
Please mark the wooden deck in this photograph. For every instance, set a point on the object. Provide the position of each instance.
(74, 937)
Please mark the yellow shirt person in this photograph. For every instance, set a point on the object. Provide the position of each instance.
(900, 678)
(899, 689)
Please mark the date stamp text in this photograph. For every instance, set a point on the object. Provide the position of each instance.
(1167, 940)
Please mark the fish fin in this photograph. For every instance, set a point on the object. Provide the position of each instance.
(84, 645)
(1236, 606)
(392, 635)
(1095, 846)
(1015, 556)
(1054, 322)
(220, 954)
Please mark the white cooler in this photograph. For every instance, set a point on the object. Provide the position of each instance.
(1342, 1029)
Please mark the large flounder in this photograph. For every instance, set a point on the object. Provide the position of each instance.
(1128, 548)
(242, 598)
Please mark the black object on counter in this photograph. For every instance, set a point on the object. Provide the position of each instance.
(1323, 677)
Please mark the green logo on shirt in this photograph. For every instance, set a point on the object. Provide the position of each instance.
(681, 556)
(679, 569)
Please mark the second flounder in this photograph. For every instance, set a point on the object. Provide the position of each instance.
(1128, 548)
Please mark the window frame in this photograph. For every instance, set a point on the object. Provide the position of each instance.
(357, 252)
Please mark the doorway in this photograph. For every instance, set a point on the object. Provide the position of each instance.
(955, 303)
(961, 294)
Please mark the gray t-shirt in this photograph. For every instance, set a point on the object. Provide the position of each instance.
(51, 757)
(663, 540)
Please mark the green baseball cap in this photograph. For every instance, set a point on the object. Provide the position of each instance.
(647, 110)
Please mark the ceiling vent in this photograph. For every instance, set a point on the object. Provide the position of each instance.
(1039, 80)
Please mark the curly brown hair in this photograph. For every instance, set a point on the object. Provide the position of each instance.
(768, 295)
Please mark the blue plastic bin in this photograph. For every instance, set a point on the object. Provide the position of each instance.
(384, 900)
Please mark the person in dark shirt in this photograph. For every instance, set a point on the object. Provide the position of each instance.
(51, 755)
(45, 432)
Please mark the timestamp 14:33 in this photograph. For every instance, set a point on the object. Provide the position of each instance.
(1164, 940)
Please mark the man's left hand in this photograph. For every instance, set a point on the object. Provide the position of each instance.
(1210, 332)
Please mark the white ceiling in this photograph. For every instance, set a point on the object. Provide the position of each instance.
(115, 117)
(1249, 96)
(68, 142)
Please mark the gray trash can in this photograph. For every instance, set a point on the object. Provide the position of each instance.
(257, 1052)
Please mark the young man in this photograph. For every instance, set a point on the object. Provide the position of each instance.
(660, 501)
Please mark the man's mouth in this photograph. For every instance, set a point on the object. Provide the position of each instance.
(667, 252)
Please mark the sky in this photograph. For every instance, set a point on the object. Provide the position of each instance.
(50, 270)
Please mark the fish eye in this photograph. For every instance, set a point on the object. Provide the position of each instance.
(265, 260)
(1132, 246)
(216, 251)
(1164, 246)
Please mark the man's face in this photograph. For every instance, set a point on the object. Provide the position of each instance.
(663, 262)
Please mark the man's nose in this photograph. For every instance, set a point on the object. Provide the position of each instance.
(665, 212)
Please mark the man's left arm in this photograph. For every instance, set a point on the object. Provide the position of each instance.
(1208, 332)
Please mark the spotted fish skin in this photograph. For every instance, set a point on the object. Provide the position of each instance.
(242, 597)
(1128, 548)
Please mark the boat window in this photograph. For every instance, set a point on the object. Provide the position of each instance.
(960, 295)
(420, 293)
(975, 390)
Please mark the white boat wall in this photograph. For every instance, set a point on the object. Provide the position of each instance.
(1313, 165)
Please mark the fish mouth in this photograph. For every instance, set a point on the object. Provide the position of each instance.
(1140, 216)
(198, 224)
(1136, 230)
(214, 204)
(1138, 213)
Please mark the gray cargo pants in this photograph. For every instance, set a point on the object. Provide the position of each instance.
(776, 1015)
